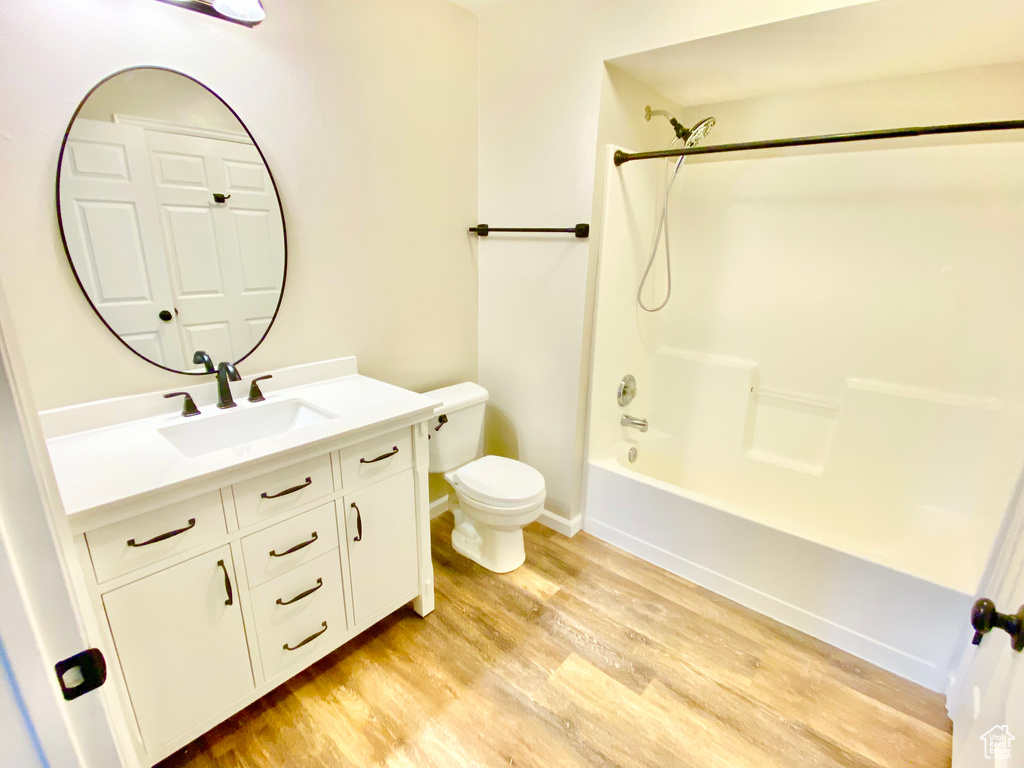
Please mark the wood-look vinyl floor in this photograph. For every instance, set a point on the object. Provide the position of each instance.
(584, 657)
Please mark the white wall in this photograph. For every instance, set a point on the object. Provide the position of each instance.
(367, 113)
(541, 74)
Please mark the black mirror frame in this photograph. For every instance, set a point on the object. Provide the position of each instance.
(270, 173)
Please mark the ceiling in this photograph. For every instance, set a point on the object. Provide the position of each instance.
(887, 38)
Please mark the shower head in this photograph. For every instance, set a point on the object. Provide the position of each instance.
(689, 136)
(696, 134)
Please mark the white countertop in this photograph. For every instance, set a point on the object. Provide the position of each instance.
(113, 463)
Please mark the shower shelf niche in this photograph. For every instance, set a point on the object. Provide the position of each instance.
(790, 430)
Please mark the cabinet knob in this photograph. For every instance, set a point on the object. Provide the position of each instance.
(294, 489)
(309, 639)
(165, 536)
(359, 523)
(227, 584)
(301, 545)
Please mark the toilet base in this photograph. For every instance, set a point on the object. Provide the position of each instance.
(496, 550)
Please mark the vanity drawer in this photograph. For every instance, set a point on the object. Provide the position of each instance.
(284, 546)
(139, 541)
(363, 463)
(275, 492)
(293, 607)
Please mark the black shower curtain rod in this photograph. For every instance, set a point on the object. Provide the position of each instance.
(831, 138)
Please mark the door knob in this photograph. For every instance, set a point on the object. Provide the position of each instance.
(165, 316)
(985, 618)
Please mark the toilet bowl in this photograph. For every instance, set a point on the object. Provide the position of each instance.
(494, 496)
(497, 497)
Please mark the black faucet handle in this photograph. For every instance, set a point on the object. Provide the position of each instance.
(201, 358)
(255, 395)
(190, 405)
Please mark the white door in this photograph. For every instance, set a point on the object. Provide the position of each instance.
(35, 730)
(181, 644)
(226, 259)
(112, 228)
(38, 619)
(381, 524)
(986, 697)
(18, 746)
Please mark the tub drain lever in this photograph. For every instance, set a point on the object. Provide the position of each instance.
(985, 618)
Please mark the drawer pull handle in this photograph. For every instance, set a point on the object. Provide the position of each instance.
(307, 593)
(309, 639)
(293, 489)
(227, 584)
(359, 523)
(164, 536)
(383, 456)
(296, 548)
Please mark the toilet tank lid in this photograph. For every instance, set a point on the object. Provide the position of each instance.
(459, 395)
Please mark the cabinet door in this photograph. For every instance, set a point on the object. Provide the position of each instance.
(181, 645)
(380, 521)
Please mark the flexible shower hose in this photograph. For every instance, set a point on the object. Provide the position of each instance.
(669, 181)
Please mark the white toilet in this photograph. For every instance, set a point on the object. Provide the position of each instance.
(496, 496)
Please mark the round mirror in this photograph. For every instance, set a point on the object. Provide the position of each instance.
(171, 220)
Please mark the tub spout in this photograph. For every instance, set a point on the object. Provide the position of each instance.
(635, 423)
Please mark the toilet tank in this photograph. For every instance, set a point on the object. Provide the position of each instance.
(461, 438)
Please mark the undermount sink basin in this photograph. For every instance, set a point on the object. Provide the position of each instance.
(215, 433)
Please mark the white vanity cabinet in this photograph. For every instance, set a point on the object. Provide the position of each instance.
(381, 544)
(210, 601)
(128, 545)
(181, 644)
(300, 613)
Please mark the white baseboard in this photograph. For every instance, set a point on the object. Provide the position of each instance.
(438, 506)
(566, 527)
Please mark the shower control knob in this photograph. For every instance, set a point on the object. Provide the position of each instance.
(985, 618)
(627, 390)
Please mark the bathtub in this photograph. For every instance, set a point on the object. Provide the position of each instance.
(875, 601)
(835, 428)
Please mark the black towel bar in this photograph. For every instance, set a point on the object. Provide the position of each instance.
(580, 230)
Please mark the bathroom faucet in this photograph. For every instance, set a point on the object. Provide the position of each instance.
(203, 359)
(226, 372)
(635, 423)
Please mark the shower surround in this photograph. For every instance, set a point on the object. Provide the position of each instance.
(836, 420)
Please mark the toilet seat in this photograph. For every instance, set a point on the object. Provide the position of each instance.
(499, 482)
